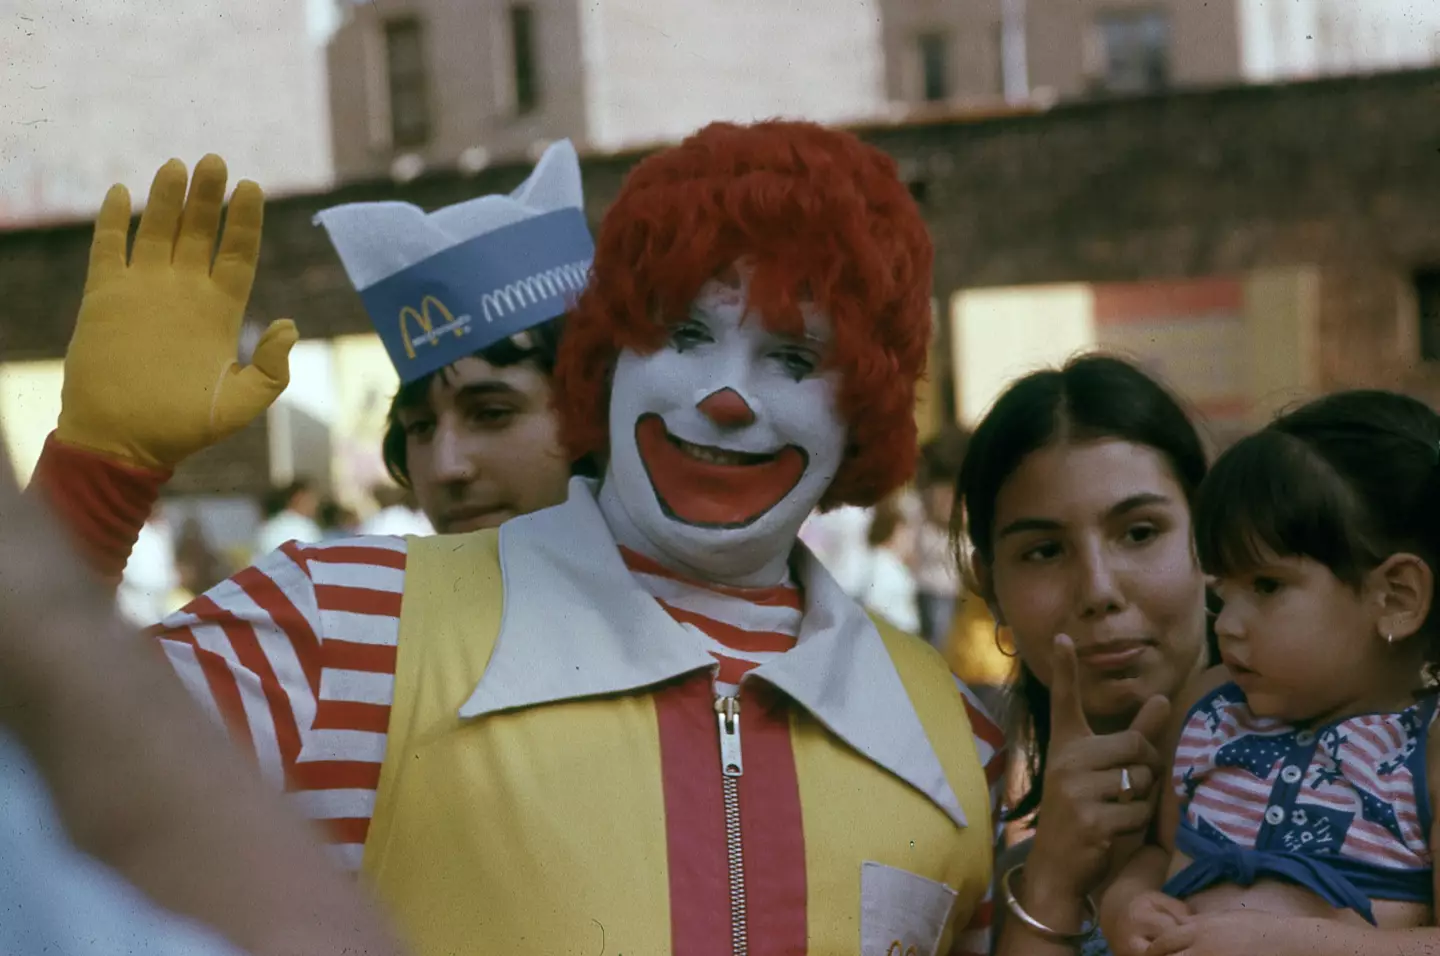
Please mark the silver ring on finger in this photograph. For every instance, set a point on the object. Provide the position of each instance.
(1127, 787)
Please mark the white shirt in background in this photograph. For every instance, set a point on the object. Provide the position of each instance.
(150, 580)
(839, 539)
(936, 571)
(397, 520)
(286, 526)
(889, 590)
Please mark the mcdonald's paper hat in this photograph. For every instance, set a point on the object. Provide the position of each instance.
(444, 285)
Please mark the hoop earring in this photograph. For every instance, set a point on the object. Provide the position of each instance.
(1013, 651)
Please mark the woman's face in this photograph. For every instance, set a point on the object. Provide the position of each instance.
(1093, 540)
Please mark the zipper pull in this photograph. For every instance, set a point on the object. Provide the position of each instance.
(728, 711)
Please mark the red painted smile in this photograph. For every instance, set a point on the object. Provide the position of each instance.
(714, 487)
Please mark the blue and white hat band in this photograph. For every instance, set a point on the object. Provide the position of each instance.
(442, 286)
(475, 294)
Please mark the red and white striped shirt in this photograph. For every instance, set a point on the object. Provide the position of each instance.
(742, 628)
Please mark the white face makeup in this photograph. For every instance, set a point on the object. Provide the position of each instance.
(723, 441)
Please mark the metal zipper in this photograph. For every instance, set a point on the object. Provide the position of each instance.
(727, 709)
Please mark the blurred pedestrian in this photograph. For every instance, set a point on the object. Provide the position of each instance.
(291, 514)
(147, 589)
(396, 515)
(888, 587)
(932, 560)
(196, 562)
(336, 519)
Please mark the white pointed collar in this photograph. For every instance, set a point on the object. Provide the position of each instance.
(577, 624)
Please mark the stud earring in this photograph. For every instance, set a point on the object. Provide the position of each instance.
(1389, 638)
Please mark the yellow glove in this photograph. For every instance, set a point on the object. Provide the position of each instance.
(151, 376)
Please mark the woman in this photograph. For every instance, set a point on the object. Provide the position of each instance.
(1076, 493)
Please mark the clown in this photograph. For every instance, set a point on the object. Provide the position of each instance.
(647, 720)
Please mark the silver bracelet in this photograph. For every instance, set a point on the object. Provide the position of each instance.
(1012, 903)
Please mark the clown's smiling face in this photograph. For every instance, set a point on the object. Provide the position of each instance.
(724, 440)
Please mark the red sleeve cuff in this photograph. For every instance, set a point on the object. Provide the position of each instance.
(103, 502)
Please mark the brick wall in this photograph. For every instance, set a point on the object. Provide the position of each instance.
(1343, 174)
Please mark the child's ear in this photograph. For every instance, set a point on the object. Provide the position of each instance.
(1402, 587)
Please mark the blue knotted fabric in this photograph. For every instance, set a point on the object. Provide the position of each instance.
(1216, 862)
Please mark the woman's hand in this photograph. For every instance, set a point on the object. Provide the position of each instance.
(1086, 806)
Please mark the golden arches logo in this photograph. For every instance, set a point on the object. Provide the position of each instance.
(899, 949)
(424, 319)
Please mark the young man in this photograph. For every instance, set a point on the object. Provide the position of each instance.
(469, 301)
(646, 719)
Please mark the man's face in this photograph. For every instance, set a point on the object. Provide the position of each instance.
(484, 446)
(726, 438)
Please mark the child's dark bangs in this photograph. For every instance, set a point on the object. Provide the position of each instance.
(1270, 494)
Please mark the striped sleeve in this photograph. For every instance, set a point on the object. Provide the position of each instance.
(295, 657)
(975, 938)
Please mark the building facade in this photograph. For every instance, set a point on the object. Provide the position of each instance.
(943, 54)
(418, 84)
(97, 93)
(1253, 244)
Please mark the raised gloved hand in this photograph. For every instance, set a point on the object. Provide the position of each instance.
(151, 375)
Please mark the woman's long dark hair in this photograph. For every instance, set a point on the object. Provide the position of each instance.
(1091, 397)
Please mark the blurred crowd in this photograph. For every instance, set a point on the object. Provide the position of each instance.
(901, 562)
(177, 559)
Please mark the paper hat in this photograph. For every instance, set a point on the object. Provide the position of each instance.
(442, 286)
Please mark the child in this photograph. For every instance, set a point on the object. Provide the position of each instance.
(1298, 818)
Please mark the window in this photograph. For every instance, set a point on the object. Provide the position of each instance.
(405, 66)
(934, 72)
(522, 56)
(1427, 302)
(1135, 47)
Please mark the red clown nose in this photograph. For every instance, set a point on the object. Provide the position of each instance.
(727, 409)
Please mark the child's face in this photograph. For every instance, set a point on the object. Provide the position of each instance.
(1301, 643)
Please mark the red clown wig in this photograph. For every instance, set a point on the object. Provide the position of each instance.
(824, 219)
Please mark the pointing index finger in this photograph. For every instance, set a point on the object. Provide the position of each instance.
(1067, 715)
